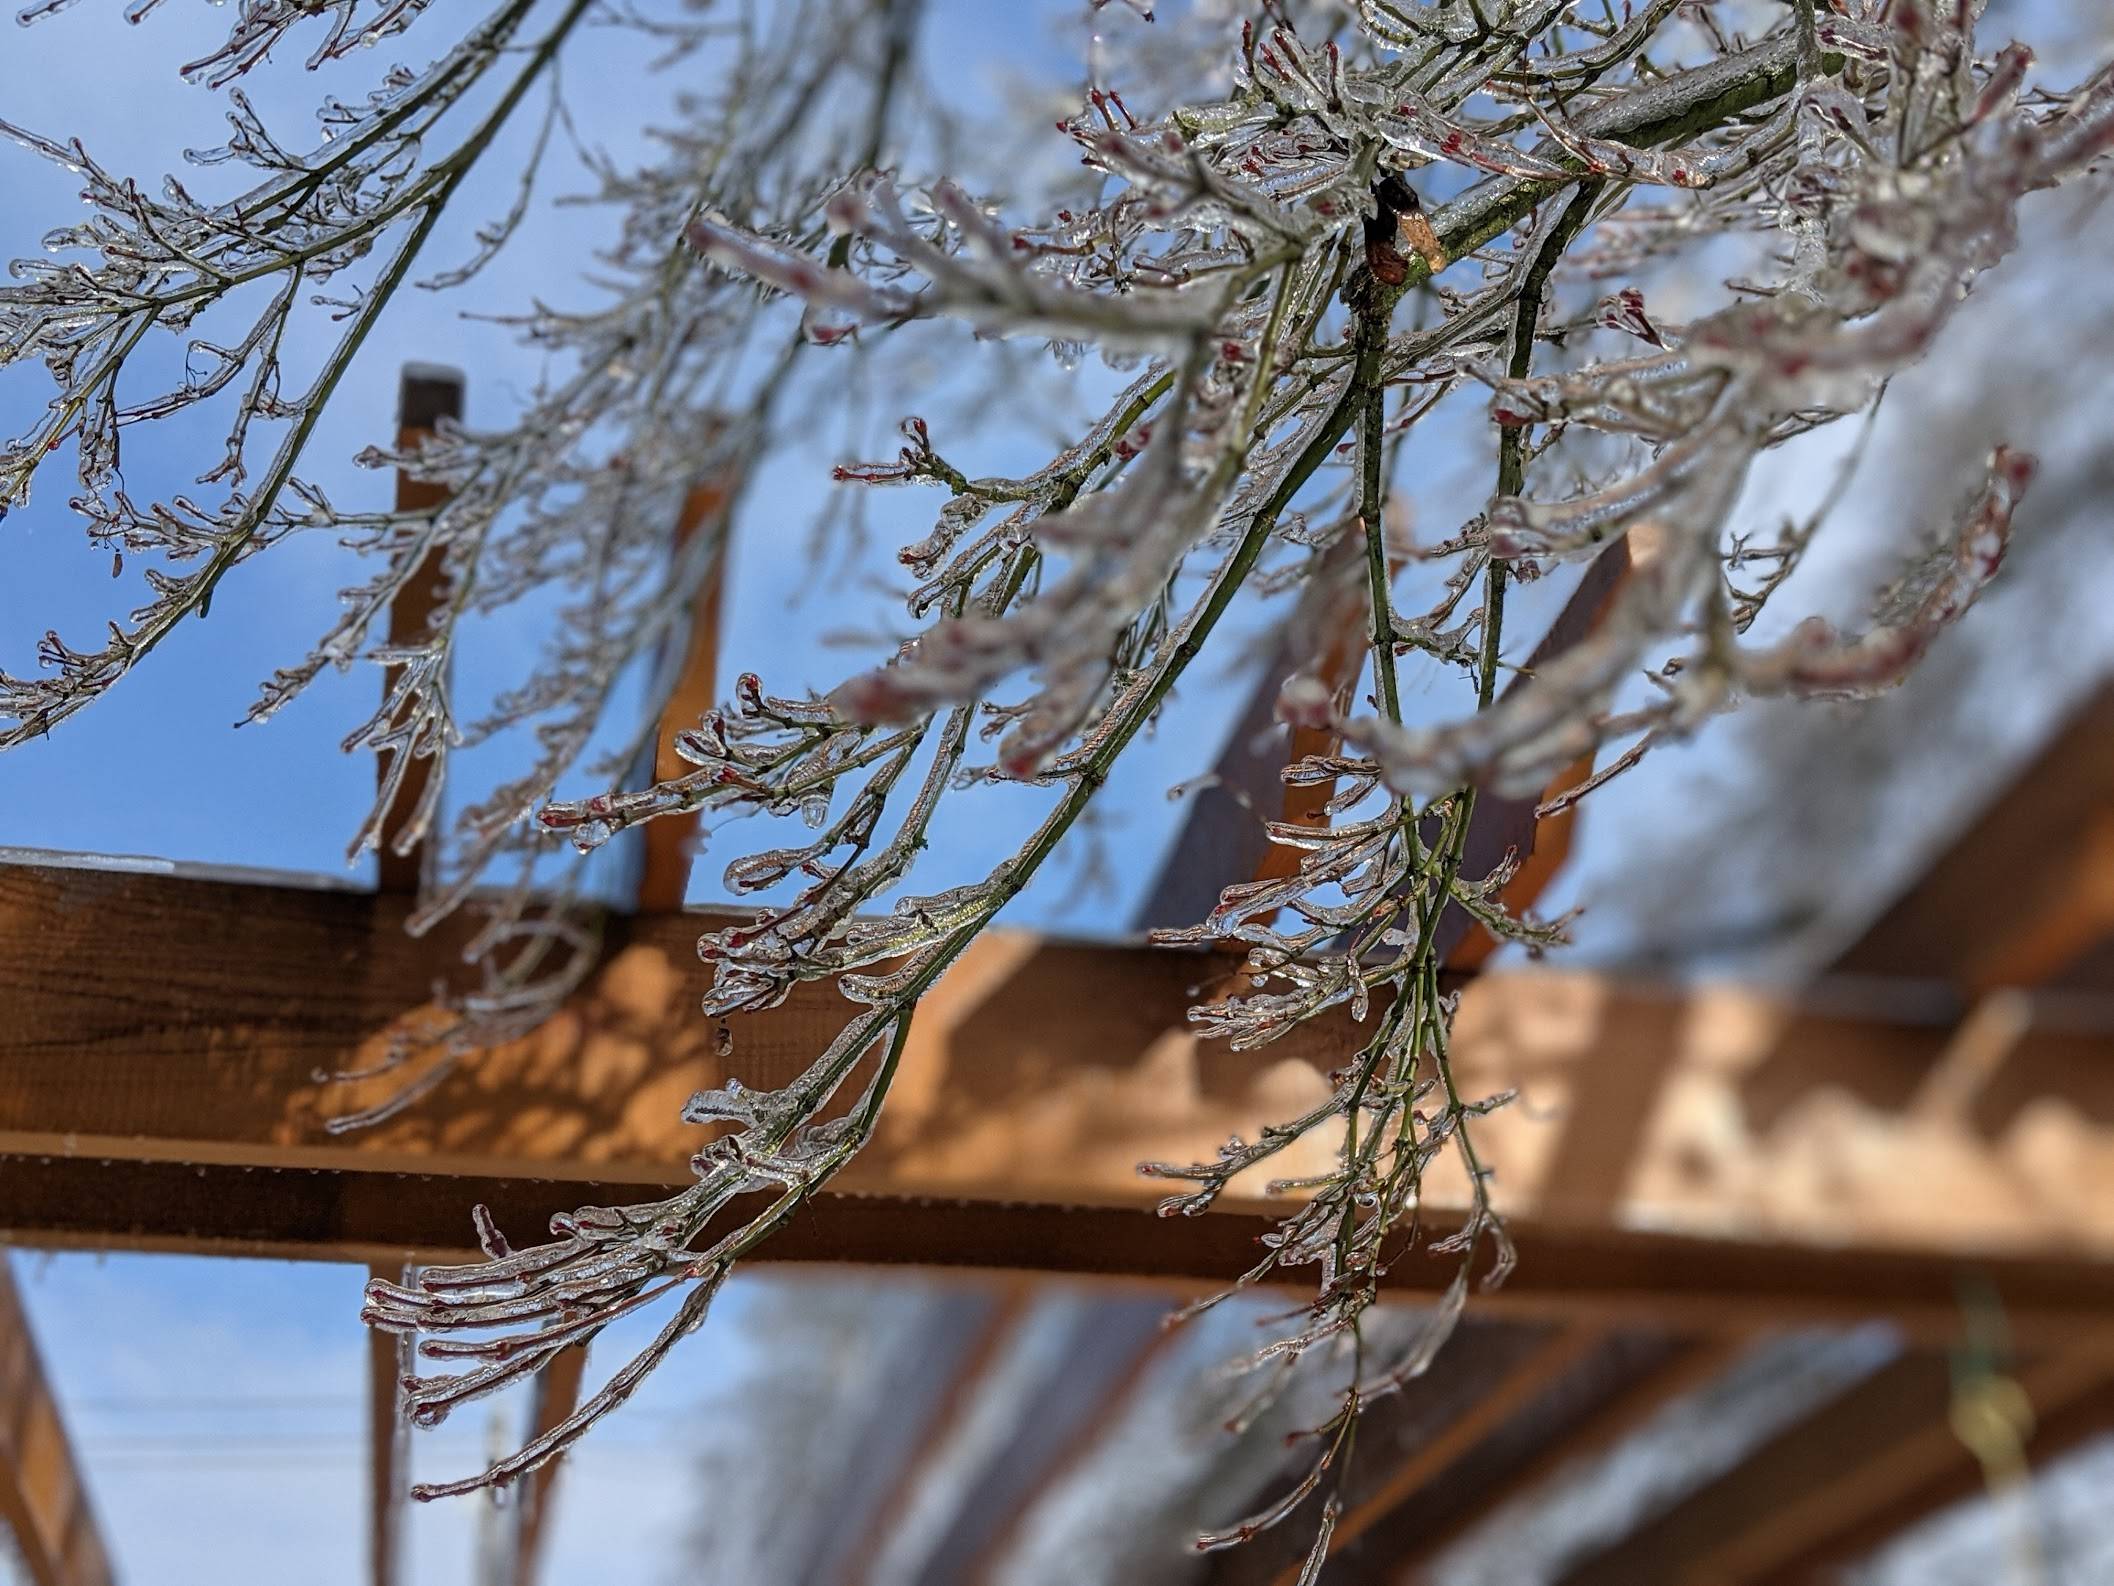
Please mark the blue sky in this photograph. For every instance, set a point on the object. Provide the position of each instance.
(219, 1408)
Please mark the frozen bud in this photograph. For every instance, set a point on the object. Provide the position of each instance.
(1511, 535)
(489, 1238)
(876, 696)
(1305, 701)
(1624, 311)
(844, 213)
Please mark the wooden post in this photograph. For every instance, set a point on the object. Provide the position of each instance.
(427, 395)
(667, 864)
(2023, 894)
(557, 1395)
(386, 1466)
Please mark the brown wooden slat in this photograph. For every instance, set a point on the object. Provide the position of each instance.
(1114, 1339)
(957, 1393)
(666, 874)
(1109, 1386)
(1410, 1542)
(1828, 1445)
(1503, 826)
(555, 1396)
(1221, 840)
(2072, 1394)
(1510, 1393)
(43, 1499)
(427, 395)
(1974, 917)
(2073, 912)
(1394, 1435)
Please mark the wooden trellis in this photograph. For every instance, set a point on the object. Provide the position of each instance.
(1698, 1164)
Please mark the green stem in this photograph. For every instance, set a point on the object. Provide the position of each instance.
(1377, 578)
(1511, 473)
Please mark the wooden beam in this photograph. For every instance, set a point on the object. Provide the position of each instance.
(1221, 840)
(43, 1500)
(1512, 1392)
(2072, 912)
(1511, 825)
(1803, 1544)
(163, 1021)
(1703, 1284)
(555, 1396)
(1112, 1354)
(666, 875)
(1792, 1467)
(1406, 1442)
(427, 395)
(1413, 1542)
(1110, 1345)
(965, 1378)
(2020, 893)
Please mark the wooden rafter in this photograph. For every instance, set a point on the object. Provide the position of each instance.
(1512, 1392)
(1410, 1543)
(1222, 840)
(2026, 892)
(1793, 1467)
(1111, 1341)
(43, 1500)
(1513, 825)
(1496, 1369)
(2073, 913)
(1115, 1349)
(2072, 1398)
(965, 1378)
